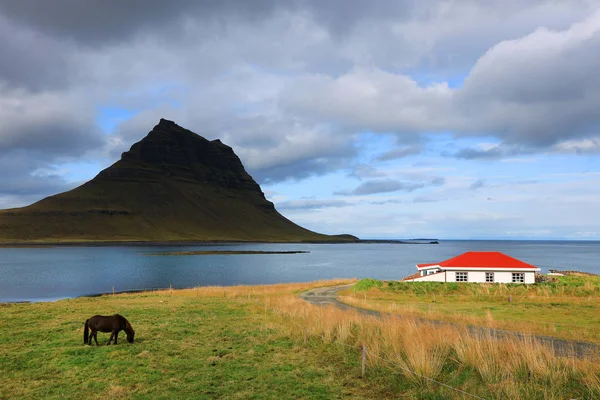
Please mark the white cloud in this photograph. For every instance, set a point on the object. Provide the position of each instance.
(580, 146)
(291, 86)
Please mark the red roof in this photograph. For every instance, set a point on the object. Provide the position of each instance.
(413, 276)
(482, 259)
(426, 265)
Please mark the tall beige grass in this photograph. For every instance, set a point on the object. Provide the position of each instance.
(507, 367)
(388, 305)
(503, 368)
(257, 290)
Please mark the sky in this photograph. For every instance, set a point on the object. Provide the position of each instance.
(457, 119)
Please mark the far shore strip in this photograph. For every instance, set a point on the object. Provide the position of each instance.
(230, 252)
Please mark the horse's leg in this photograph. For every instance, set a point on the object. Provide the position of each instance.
(112, 334)
(116, 335)
(94, 335)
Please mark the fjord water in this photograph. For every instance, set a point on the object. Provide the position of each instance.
(51, 273)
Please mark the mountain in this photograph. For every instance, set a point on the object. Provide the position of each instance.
(173, 185)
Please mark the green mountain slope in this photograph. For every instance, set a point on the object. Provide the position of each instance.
(173, 185)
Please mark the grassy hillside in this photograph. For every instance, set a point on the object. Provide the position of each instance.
(164, 210)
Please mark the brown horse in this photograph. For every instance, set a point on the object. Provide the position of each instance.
(113, 324)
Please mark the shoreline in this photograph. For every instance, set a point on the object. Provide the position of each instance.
(224, 252)
(141, 243)
(100, 294)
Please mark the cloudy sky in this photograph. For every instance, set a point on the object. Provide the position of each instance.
(385, 119)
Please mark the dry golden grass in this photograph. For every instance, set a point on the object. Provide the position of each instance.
(185, 348)
(509, 367)
(490, 367)
(508, 316)
(256, 291)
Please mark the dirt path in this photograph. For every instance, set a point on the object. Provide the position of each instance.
(328, 295)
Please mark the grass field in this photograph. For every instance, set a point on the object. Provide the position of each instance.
(216, 345)
(567, 307)
(264, 342)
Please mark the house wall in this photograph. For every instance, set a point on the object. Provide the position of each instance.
(429, 270)
(529, 277)
(499, 276)
(440, 277)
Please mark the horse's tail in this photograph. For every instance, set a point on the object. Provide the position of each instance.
(86, 333)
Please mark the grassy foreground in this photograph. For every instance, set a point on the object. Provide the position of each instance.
(210, 343)
(566, 307)
(264, 342)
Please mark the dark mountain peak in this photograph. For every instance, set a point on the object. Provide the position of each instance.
(164, 121)
(173, 185)
(180, 154)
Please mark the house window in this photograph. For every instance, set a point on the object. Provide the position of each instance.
(461, 277)
(489, 277)
(518, 277)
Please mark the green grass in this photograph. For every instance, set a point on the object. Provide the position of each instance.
(578, 286)
(367, 284)
(230, 343)
(186, 347)
(566, 307)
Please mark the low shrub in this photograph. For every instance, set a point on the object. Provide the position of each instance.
(366, 284)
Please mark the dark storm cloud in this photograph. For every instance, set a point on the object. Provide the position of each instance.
(60, 137)
(97, 22)
(101, 21)
(30, 59)
(50, 124)
(340, 16)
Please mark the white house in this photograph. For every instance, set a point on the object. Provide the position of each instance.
(476, 266)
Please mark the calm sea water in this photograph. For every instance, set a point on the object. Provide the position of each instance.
(39, 274)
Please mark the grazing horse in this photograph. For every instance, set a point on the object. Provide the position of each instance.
(113, 324)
